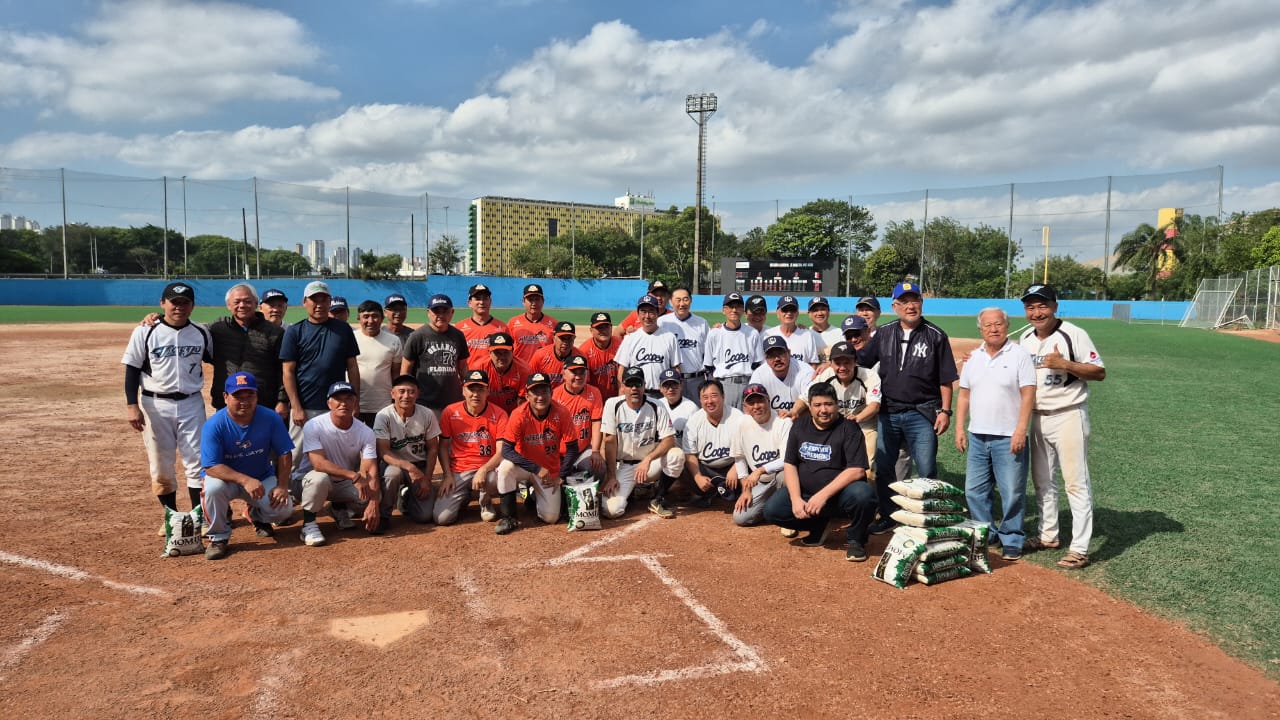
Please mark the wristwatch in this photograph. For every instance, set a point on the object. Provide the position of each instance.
(948, 413)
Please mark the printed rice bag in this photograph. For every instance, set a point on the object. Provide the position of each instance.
(936, 534)
(919, 488)
(978, 537)
(937, 550)
(950, 561)
(583, 502)
(928, 505)
(899, 560)
(959, 571)
(915, 519)
(182, 532)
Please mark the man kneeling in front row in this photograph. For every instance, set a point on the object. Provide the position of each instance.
(825, 467)
(340, 464)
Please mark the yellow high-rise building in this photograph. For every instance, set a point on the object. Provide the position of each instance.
(499, 225)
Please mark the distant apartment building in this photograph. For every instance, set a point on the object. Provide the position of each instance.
(17, 222)
(316, 255)
(499, 225)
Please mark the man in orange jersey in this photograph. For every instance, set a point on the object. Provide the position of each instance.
(584, 405)
(477, 328)
(531, 329)
(539, 447)
(602, 369)
(550, 359)
(470, 450)
(506, 372)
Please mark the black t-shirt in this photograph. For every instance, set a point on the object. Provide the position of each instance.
(911, 373)
(436, 357)
(821, 455)
(254, 349)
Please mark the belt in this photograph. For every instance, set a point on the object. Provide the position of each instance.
(735, 378)
(694, 375)
(654, 394)
(1044, 413)
(629, 462)
(167, 396)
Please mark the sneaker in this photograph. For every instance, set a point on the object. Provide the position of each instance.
(311, 534)
(788, 532)
(505, 526)
(264, 530)
(402, 499)
(993, 540)
(343, 516)
(855, 552)
(487, 513)
(216, 550)
(659, 508)
(817, 538)
(160, 532)
(882, 526)
(1011, 554)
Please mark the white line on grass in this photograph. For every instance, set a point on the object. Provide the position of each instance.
(77, 574)
(19, 650)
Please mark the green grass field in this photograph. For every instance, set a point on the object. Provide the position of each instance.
(1185, 465)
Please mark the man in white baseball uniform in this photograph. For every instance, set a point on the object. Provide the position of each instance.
(679, 407)
(639, 445)
(733, 350)
(706, 444)
(163, 363)
(802, 341)
(407, 436)
(650, 348)
(1066, 361)
(379, 360)
(339, 465)
(691, 339)
(786, 379)
(757, 309)
(757, 448)
(828, 334)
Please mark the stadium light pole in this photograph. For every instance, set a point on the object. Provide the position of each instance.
(700, 108)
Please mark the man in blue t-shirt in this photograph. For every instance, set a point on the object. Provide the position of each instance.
(236, 450)
(316, 353)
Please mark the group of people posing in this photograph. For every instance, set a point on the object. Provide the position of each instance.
(778, 423)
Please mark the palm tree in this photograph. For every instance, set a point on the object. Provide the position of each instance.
(1140, 250)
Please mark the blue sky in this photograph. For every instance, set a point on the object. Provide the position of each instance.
(580, 101)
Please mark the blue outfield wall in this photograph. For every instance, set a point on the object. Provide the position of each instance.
(586, 294)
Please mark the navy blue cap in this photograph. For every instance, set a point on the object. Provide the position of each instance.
(273, 294)
(340, 387)
(788, 301)
(669, 375)
(392, 299)
(649, 299)
(774, 342)
(870, 301)
(440, 301)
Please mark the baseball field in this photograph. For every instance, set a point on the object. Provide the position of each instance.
(1178, 617)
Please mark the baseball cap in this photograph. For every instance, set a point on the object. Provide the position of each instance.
(476, 377)
(853, 322)
(565, 327)
(342, 386)
(575, 361)
(787, 301)
(273, 294)
(658, 285)
(754, 389)
(843, 349)
(405, 379)
(339, 303)
(315, 287)
(757, 302)
(633, 376)
(773, 342)
(906, 288)
(240, 381)
(1044, 292)
(532, 289)
(648, 299)
(816, 301)
(478, 289)
(733, 298)
(537, 379)
(669, 375)
(178, 290)
(440, 301)
(601, 318)
(500, 341)
(394, 298)
(870, 301)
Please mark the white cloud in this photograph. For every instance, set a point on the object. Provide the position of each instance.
(154, 59)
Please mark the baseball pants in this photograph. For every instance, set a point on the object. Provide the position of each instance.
(1061, 441)
(449, 505)
(548, 499)
(218, 495)
(671, 465)
(419, 510)
(172, 426)
(689, 386)
(733, 387)
(316, 487)
(760, 494)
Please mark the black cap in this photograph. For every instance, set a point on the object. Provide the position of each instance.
(757, 302)
(870, 301)
(601, 318)
(1044, 292)
(658, 285)
(566, 328)
(631, 375)
(533, 289)
(575, 361)
(537, 379)
(843, 349)
(178, 290)
(478, 289)
(476, 377)
(500, 341)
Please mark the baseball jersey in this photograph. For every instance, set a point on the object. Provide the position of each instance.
(344, 448)
(691, 339)
(248, 448)
(680, 414)
(529, 335)
(472, 439)
(637, 431)
(379, 362)
(505, 388)
(321, 351)
(755, 445)
(651, 352)
(584, 409)
(819, 455)
(851, 398)
(783, 392)
(732, 353)
(602, 369)
(1059, 389)
(712, 443)
(477, 335)
(826, 339)
(170, 357)
(541, 441)
(803, 344)
(408, 436)
(546, 361)
(436, 358)
(253, 348)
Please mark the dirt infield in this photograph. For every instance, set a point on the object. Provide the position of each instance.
(689, 618)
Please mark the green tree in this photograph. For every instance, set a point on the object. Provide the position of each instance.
(823, 230)
(445, 255)
(884, 268)
(1267, 252)
(1140, 250)
(1071, 279)
(959, 261)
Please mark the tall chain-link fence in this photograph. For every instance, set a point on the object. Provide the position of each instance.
(1244, 300)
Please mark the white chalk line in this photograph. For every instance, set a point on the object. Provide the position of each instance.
(71, 573)
(20, 649)
(266, 701)
(606, 540)
(476, 604)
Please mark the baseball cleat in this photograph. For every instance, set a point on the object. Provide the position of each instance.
(487, 514)
(659, 508)
(311, 535)
(343, 518)
(505, 526)
(217, 550)
(788, 532)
